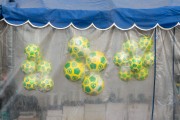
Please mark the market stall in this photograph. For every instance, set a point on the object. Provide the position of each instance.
(90, 60)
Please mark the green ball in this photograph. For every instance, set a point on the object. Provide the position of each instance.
(30, 82)
(145, 43)
(32, 51)
(130, 46)
(93, 84)
(148, 59)
(125, 73)
(74, 70)
(28, 67)
(121, 58)
(142, 74)
(78, 47)
(135, 63)
(45, 84)
(44, 67)
(39, 59)
(96, 61)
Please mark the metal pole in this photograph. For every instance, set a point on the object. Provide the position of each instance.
(174, 97)
(154, 87)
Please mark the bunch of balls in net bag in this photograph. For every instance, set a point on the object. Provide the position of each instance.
(36, 70)
(135, 59)
(85, 65)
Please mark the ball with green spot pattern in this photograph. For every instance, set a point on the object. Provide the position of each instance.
(32, 51)
(148, 59)
(44, 67)
(45, 84)
(135, 63)
(28, 67)
(74, 70)
(96, 61)
(130, 46)
(78, 47)
(93, 84)
(145, 43)
(121, 58)
(125, 73)
(142, 74)
(30, 82)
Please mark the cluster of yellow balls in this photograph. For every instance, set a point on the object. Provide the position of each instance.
(85, 60)
(130, 60)
(36, 70)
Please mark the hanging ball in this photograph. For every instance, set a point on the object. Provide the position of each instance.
(39, 59)
(96, 61)
(78, 47)
(145, 43)
(45, 84)
(28, 67)
(93, 84)
(44, 67)
(125, 73)
(148, 59)
(142, 74)
(74, 70)
(130, 46)
(121, 58)
(32, 51)
(30, 82)
(135, 63)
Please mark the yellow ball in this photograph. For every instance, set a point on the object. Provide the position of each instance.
(28, 67)
(145, 43)
(32, 51)
(148, 59)
(78, 47)
(135, 63)
(44, 67)
(121, 58)
(30, 82)
(96, 61)
(45, 84)
(130, 46)
(125, 73)
(93, 84)
(39, 59)
(142, 74)
(74, 70)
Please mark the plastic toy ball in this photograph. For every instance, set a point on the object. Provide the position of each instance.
(45, 84)
(135, 63)
(121, 58)
(28, 67)
(74, 70)
(142, 74)
(96, 61)
(32, 51)
(39, 59)
(145, 43)
(44, 67)
(78, 47)
(125, 73)
(93, 84)
(30, 82)
(130, 46)
(148, 59)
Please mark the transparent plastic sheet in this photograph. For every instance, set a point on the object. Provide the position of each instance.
(119, 100)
